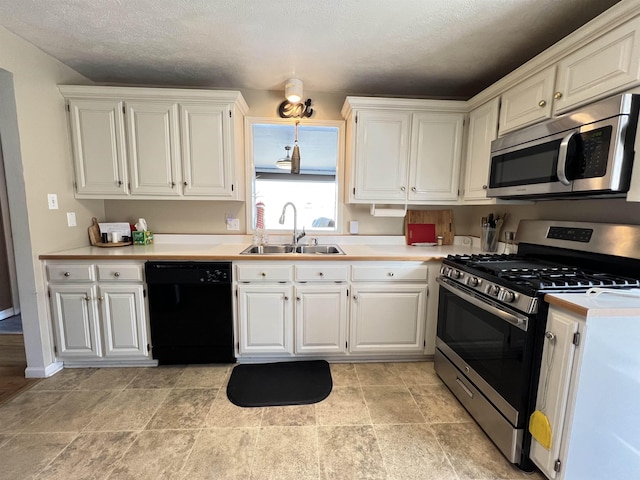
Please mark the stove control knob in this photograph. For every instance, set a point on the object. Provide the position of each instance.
(445, 271)
(473, 281)
(493, 290)
(508, 296)
(457, 274)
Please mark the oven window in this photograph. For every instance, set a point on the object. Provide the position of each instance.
(525, 167)
(494, 348)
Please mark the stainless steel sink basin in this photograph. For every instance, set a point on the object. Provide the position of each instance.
(300, 249)
(320, 249)
(268, 249)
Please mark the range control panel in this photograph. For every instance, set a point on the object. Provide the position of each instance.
(570, 234)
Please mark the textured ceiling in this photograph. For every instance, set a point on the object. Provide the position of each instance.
(423, 48)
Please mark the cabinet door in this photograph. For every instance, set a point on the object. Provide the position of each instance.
(99, 154)
(483, 129)
(607, 65)
(207, 165)
(388, 318)
(75, 320)
(436, 149)
(265, 314)
(123, 320)
(321, 319)
(528, 102)
(153, 150)
(553, 388)
(381, 156)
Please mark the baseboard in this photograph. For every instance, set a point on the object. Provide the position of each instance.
(38, 372)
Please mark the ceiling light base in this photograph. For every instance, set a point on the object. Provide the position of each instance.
(295, 110)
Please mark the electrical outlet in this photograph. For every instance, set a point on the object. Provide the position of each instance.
(233, 224)
(71, 219)
(52, 198)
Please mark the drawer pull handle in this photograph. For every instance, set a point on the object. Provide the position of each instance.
(413, 189)
(67, 274)
(355, 297)
(464, 387)
(101, 298)
(390, 274)
(403, 188)
(298, 298)
(116, 274)
(87, 298)
(557, 95)
(286, 298)
(484, 187)
(542, 103)
(321, 274)
(263, 274)
(185, 184)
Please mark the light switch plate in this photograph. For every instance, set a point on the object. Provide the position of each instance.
(233, 224)
(353, 227)
(52, 198)
(71, 219)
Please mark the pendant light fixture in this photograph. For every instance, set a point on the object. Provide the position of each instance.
(293, 90)
(295, 157)
(285, 163)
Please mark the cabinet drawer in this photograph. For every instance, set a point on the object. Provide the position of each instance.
(322, 273)
(264, 273)
(118, 273)
(71, 273)
(375, 273)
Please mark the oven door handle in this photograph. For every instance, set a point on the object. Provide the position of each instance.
(519, 321)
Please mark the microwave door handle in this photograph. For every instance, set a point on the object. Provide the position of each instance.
(562, 159)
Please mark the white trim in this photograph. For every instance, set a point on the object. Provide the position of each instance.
(9, 312)
(39, 372)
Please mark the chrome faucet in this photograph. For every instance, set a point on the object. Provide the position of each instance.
(296, 237)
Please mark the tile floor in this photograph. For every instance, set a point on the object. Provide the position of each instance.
(382, 421)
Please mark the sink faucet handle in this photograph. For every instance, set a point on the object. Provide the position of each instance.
(301, 235)
(313, 241)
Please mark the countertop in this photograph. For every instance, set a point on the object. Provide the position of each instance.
(182, 248)
(607, 304)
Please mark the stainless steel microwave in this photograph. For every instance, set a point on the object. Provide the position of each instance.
(588, 152)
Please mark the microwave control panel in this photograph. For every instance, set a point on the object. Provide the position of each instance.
(593, 151)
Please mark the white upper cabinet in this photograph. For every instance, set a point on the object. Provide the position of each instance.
(205, 143)
(97, 135)
(594, 69)
(606, 65)
(170, 143)
(403, 151)
(382, 155)
(152, 139)
(528, 102)
(483, 129)
(436, 152)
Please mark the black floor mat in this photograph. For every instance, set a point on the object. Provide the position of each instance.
(282, 383)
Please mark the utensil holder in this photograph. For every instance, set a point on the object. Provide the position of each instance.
(489, 239)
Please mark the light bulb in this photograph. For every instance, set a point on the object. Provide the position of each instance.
(293, 90)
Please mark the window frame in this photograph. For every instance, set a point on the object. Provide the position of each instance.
(250, 172)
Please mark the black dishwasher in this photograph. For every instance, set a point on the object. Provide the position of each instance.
(190, 312)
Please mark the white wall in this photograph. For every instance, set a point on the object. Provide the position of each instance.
(37, 159)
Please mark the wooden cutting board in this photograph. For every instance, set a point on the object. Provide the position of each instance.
(442, 219)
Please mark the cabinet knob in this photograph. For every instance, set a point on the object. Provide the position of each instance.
(286, 298)
(355, 297)
(484, 187)
(67, 274)
(298, 298)
(413, 189)
(263, 274)
(173, 184)
(321, 274)
(116, 274)
(119, 183)
(185, 184)
(542, 103)
(87, 298)
(403, 188)
(557, 95)
(101, 298)
(390, 274)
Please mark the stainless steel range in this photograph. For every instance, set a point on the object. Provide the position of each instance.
(492, 316)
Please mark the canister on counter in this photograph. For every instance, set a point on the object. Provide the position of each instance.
(440, 239)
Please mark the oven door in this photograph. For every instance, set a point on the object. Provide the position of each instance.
(491, 344)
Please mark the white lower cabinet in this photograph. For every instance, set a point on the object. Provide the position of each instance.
(321, 319)
(331, 309)
(265, 314)
(388, 318)
(98, 319)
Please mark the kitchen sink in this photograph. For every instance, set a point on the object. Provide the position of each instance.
(300, 249)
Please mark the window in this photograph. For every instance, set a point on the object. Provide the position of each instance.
(314, 191)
